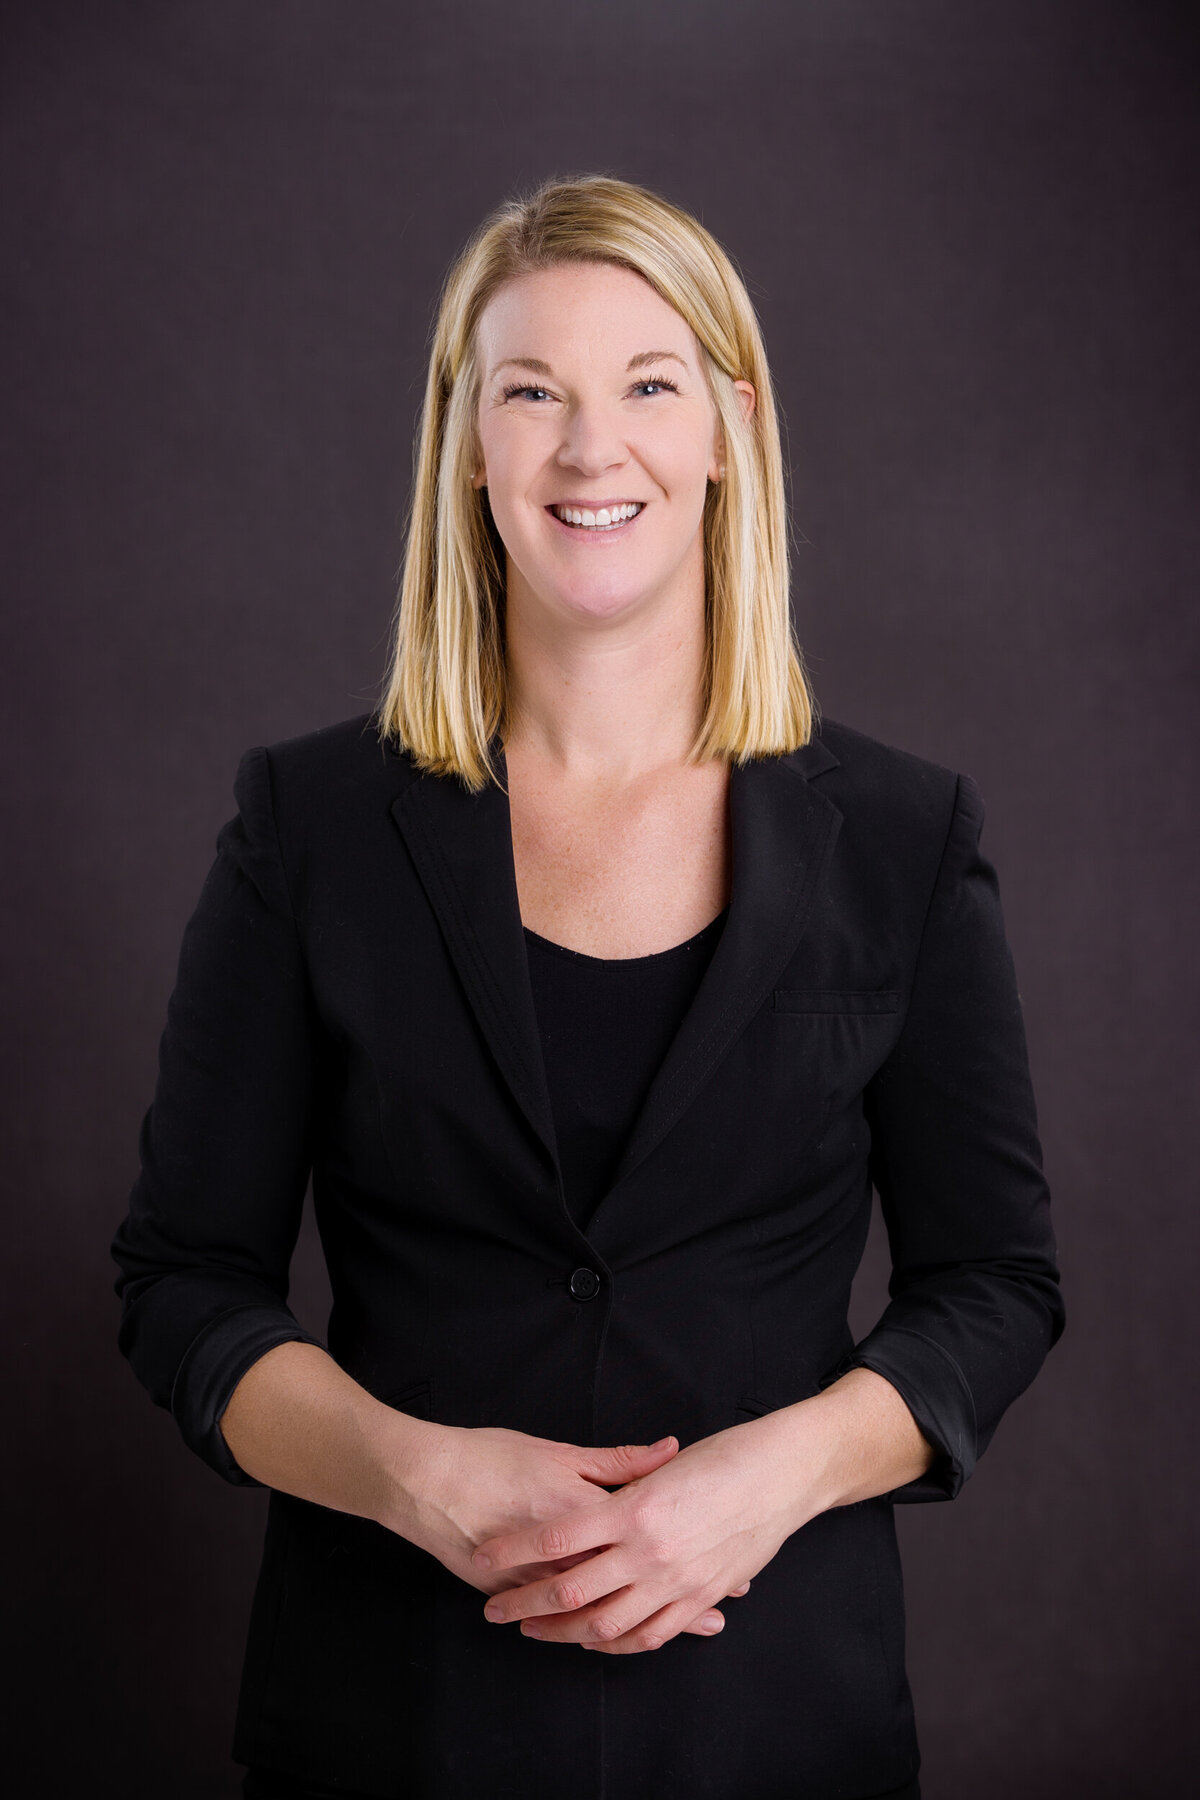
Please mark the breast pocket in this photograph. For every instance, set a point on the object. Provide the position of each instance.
(830, 1042)
(836, 1000)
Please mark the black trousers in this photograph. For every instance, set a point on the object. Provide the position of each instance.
(262, 1784)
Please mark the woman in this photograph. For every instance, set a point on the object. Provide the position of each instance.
(596, 987)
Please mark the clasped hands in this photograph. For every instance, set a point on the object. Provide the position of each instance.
(521, 1518)
(618, 1571)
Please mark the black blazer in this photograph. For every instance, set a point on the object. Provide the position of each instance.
(353, 999)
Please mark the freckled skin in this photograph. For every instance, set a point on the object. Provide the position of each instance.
(595, 429)
(616, 854)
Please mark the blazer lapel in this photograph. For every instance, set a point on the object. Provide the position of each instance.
(782, 831)
(461, 844)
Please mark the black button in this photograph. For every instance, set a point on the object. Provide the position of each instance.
(584, 1284)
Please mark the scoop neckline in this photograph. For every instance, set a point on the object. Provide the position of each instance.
(624, 962)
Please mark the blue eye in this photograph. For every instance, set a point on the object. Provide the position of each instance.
(524, 387)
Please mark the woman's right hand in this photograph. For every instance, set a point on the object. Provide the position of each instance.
(449, 1487)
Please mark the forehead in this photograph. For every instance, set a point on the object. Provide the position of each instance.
(590, 309)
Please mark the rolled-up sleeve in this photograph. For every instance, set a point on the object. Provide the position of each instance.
(225, 1146)
(975, 1301)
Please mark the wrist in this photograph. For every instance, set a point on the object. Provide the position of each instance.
(871, 1442)
(406, 1453)
(854, 1440)
(800, 1453)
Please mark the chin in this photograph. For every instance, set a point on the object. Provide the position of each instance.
(603, 593)
(600, 603)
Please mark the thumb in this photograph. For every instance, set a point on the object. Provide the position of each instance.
(615, 1464)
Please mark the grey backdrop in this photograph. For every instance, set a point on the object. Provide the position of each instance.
(969, 230)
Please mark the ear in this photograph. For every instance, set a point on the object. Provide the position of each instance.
(749, 399)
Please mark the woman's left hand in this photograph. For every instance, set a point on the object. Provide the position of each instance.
(667, 1545)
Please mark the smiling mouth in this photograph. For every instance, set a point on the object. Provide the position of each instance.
(604, 518)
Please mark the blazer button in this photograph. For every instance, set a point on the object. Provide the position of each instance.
(584, 1284)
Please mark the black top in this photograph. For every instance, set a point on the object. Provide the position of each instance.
(606, 1023)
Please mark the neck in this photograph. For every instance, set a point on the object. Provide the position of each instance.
(605, 700)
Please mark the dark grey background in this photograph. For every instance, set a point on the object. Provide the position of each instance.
(970, 233)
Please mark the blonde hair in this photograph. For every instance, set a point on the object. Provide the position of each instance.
(446, 695)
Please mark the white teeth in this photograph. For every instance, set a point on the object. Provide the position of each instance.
(603, 520)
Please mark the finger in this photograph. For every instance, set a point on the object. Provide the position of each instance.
(698, 1627)
(503, 1579)
(613, 1465)
(590, 1528)
(564, 1593)
(652, 1633)
(735, 1592)
(614, 1621)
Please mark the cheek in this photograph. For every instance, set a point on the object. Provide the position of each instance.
(513, 463)
(504, 485)
(679, 462)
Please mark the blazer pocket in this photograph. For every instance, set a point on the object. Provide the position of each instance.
(836, 1000)
(416, 1397)
(753, 1406)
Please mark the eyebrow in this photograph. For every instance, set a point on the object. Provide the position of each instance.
(537, 367)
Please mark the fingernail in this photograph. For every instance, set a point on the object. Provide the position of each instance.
(661, 1444)
(712, 1622)
(531, 1630)
(481, 1561)
(493, 1612)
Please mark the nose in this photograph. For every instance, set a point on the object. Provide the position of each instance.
(592, 440)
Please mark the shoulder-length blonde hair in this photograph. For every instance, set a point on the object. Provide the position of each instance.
(446, 692)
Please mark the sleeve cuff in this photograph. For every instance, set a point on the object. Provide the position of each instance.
(933, 1387)
(212, 1366)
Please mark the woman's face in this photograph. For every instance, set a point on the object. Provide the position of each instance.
(593, 399)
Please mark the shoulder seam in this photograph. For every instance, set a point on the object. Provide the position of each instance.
(937, 877)
(287, 886)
